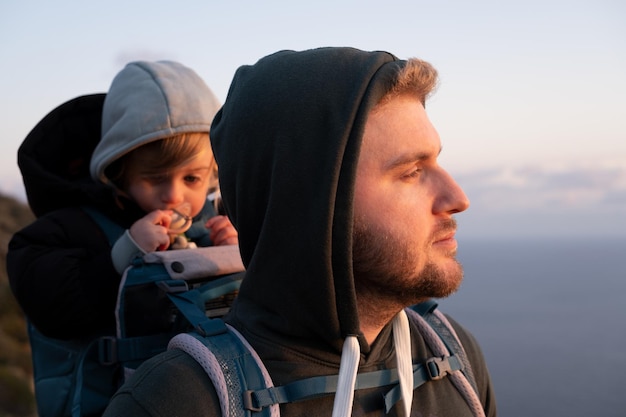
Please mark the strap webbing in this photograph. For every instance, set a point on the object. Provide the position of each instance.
(432, 369)
(221, 286)
(114, 350)
(191, 305)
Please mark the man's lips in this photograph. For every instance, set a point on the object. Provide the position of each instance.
(443, 237)
(446, 240)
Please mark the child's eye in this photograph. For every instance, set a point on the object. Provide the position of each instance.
(192, 178)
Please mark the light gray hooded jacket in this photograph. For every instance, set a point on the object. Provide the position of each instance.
(148, 101)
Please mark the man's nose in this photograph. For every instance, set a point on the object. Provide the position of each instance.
(452, 198)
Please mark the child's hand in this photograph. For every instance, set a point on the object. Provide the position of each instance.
(150, 232)
(222, 231)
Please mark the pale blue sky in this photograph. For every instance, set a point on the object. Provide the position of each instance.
(530, 108)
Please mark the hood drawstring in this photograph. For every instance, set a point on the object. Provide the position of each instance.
(402, 342)
(349, 366)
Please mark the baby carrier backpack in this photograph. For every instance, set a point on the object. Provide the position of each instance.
(78, 377)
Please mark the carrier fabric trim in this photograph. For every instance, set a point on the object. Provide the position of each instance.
(187, 264)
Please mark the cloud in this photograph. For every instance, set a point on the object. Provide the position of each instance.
(536, 187)
(533, 200)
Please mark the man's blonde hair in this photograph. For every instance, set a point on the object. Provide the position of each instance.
(417, 78)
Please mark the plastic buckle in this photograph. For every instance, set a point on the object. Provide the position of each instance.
(438, 368)
(173, 286)
(107, 352)
(248, 402)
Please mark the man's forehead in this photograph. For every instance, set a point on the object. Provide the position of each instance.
(399, 132)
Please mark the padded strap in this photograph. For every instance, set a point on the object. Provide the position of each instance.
(437, 345)
(447, 334)
(231, 367)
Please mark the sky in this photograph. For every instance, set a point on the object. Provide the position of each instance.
(530, 106)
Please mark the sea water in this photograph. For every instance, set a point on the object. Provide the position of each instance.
(550, 315)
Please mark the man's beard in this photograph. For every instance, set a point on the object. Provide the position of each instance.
(385, 268)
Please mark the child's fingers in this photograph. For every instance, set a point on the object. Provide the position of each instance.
(216, 222)
(222, 238)
(222, 231)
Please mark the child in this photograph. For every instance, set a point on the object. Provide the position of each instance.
(152, 163)
(164, 178)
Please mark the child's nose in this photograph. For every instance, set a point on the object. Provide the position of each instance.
(172, 194)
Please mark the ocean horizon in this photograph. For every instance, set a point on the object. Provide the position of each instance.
(550, 316)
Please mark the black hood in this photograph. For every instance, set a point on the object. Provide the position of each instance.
(54, 157)
(287, 143)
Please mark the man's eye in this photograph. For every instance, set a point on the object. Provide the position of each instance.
(413, 173)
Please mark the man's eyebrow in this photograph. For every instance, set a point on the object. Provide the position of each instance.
(408, 159)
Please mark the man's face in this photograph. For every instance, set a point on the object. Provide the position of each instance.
(404, 245)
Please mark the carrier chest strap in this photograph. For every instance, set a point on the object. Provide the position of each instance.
(431, 370)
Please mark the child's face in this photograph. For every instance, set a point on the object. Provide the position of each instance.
(188, 183)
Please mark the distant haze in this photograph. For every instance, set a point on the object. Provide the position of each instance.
(530, 107)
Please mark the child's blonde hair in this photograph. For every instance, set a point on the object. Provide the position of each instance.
(164, 155)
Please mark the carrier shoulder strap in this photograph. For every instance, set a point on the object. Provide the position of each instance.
(264, 398)
(441, 337)
(427, 310)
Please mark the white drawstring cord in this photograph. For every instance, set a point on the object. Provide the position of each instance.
(349, 365)
(348, 368)
(402, 342)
